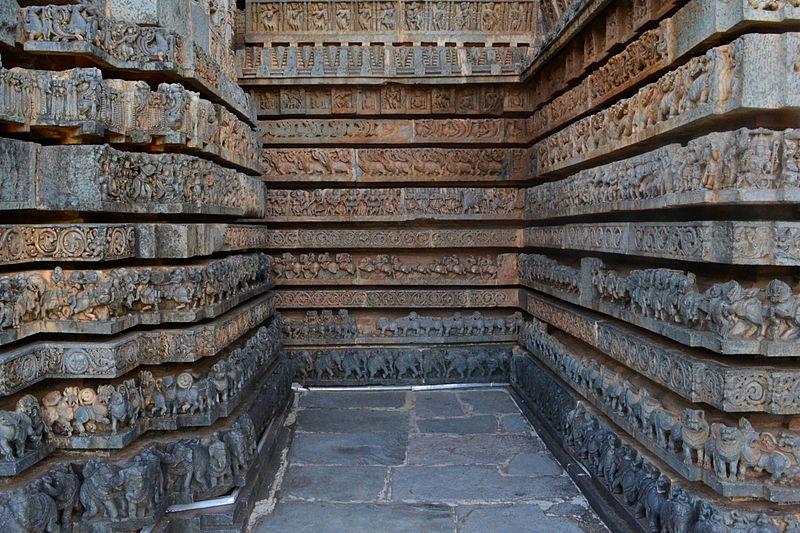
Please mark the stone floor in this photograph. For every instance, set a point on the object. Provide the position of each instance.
(431, 461)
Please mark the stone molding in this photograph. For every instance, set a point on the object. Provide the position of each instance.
(385, 238)
(643, 483)
(111, 300)
(409, 364)
(725, 317)
(391, 99)
(735, 77)
(342, 268)
(394, 204)
(494, 131)
(731, 242)
(80, 30)
(79, 105)
(163, 471)
(399, 298)
(101, 178)
(373, 165)
(286, 64)
(160, 401)
(342, 328)
(660, 424)
(743, 387)
(745, 166)
(66, 242)
(26, 365)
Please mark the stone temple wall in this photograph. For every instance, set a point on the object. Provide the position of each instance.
(202, 202)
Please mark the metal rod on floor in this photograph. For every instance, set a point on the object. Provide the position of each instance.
(387, 388)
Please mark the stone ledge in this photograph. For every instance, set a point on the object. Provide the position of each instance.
(397, 298)
(402, 165)
(158, 463)
(109, 301)
(88, 359)
(586, 433)
(731, 386)
(101, 178)
(745, 166)
(382, 365)
(726, 242)
(394, 204)
(290, 239)
(725, 82)
(80, 31)
(78, 106)
(335, 268)
(343, 328)
(725, 317)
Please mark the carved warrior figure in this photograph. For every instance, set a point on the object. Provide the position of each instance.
(21, 430)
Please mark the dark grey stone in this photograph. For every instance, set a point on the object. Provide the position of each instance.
(437, 404)
(386, 448)
(334, 483)
(567, 509)
(516, 518)
(533, 464)
(352, 420)
(514, 424)
(453, 484)
(489, 401)
(464, 425)
(345, 400)
(468, 449)
(356, 518)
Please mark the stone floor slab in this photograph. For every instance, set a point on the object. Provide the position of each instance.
(431, 449)
(489, 401)
(454, 484)
(514, 424)
(516, 518)
(437, 404)
(347, 399)
(460, 425)
(533, 464)
(352, 420)
(323, 517)
(387, 448)
(335, 483)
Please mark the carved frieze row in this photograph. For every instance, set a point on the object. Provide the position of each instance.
(395, 164)
(417, 365)
(395, 299)
(23, 366)
(157, 400)
(725, 317)
(699, 444)
(78, 104)
(638, 479)
(350, 205)
(741, 243)
(66, 242)
(391, 21)
(132, 492)
(379, 61)
(111, 300)
(391, 99)
(689, 373)
(343, 268)
(746, 166)
(101, 178)
(382, 238)
(327, 327)
(726, 79)
(398, 131)
(79, 29)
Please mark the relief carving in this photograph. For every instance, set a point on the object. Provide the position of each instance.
(357, 298)
(383, 238)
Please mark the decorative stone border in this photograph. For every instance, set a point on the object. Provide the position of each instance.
(406, 365)
(644, 484)
(399, 298)
(111, 300)
(692, 374)
(23, 366)
(290, 239)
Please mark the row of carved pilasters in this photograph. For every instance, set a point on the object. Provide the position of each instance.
(648, 487)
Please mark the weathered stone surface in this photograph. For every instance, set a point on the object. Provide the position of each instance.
(111, 300)
(111, 358)
(733, 386)
(378, 238)
(398, 298)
